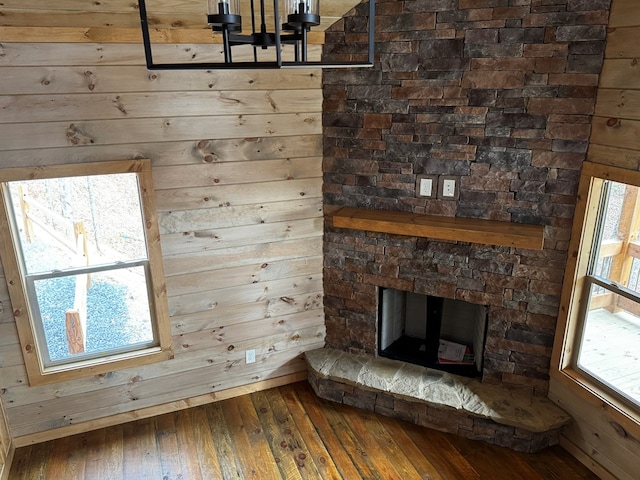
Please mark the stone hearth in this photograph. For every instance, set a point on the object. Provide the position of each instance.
(436, 399)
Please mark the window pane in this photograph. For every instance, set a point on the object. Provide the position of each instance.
(616, 195)
(106, 207)
(609, 350)
(117, 311)
(616, 242)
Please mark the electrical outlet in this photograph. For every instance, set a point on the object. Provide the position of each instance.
(448, 187)
(250, 356)
(426, 186)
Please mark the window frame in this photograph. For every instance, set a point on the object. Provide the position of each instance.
(576, 293)
(37, 372)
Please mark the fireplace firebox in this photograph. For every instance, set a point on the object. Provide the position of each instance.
(435, 332)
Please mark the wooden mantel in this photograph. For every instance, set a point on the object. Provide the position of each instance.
(472, 230)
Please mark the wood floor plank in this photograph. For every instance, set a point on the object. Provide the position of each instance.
(315, 410)
(283, 445)
(312, 438)
(72, 468)
(495, 462)
(321, 456)
(39, 461)
(112, 454)
(423, 466)
(20, 466)
(437, 448)
(140, 452)
(168, 453)
(241, 446)
(295, 438)
(363, 425)
(206, 453)
(229, 459)
(188, 447)
(95, 442)
(553, 463)
(388, 445)
(254, 461)
(356, 451)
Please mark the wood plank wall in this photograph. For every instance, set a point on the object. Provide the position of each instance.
(236, 160)
(615, 131)
(615, 140)
(179, 20)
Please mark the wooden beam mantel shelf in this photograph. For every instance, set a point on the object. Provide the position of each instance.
(488, 232)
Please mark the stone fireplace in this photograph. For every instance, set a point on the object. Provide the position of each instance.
(508, 406)
(496, 94)
(520, 322)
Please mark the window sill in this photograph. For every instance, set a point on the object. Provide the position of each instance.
(100, 366)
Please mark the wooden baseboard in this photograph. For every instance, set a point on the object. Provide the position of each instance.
(156, 410)
(585, 459)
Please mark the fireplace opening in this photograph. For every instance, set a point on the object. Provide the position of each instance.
(434, 332)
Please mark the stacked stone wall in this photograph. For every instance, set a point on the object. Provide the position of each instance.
(498, 93)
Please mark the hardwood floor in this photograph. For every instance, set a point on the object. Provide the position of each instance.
(285, 433)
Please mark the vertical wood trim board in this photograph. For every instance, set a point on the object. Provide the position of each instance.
(6, 445)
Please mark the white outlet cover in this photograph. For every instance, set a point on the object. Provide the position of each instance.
(426, 187)
(250, 356)
(449, 188)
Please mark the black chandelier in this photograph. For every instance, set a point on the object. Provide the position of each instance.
(224, 18)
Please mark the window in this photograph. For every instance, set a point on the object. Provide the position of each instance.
(607, 349)
(80, 248)
(601, 332)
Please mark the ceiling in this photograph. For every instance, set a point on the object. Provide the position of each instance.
(163, 14)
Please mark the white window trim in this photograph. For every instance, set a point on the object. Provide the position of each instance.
(36, 372)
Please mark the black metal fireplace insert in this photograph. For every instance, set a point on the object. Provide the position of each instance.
(434, 332)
